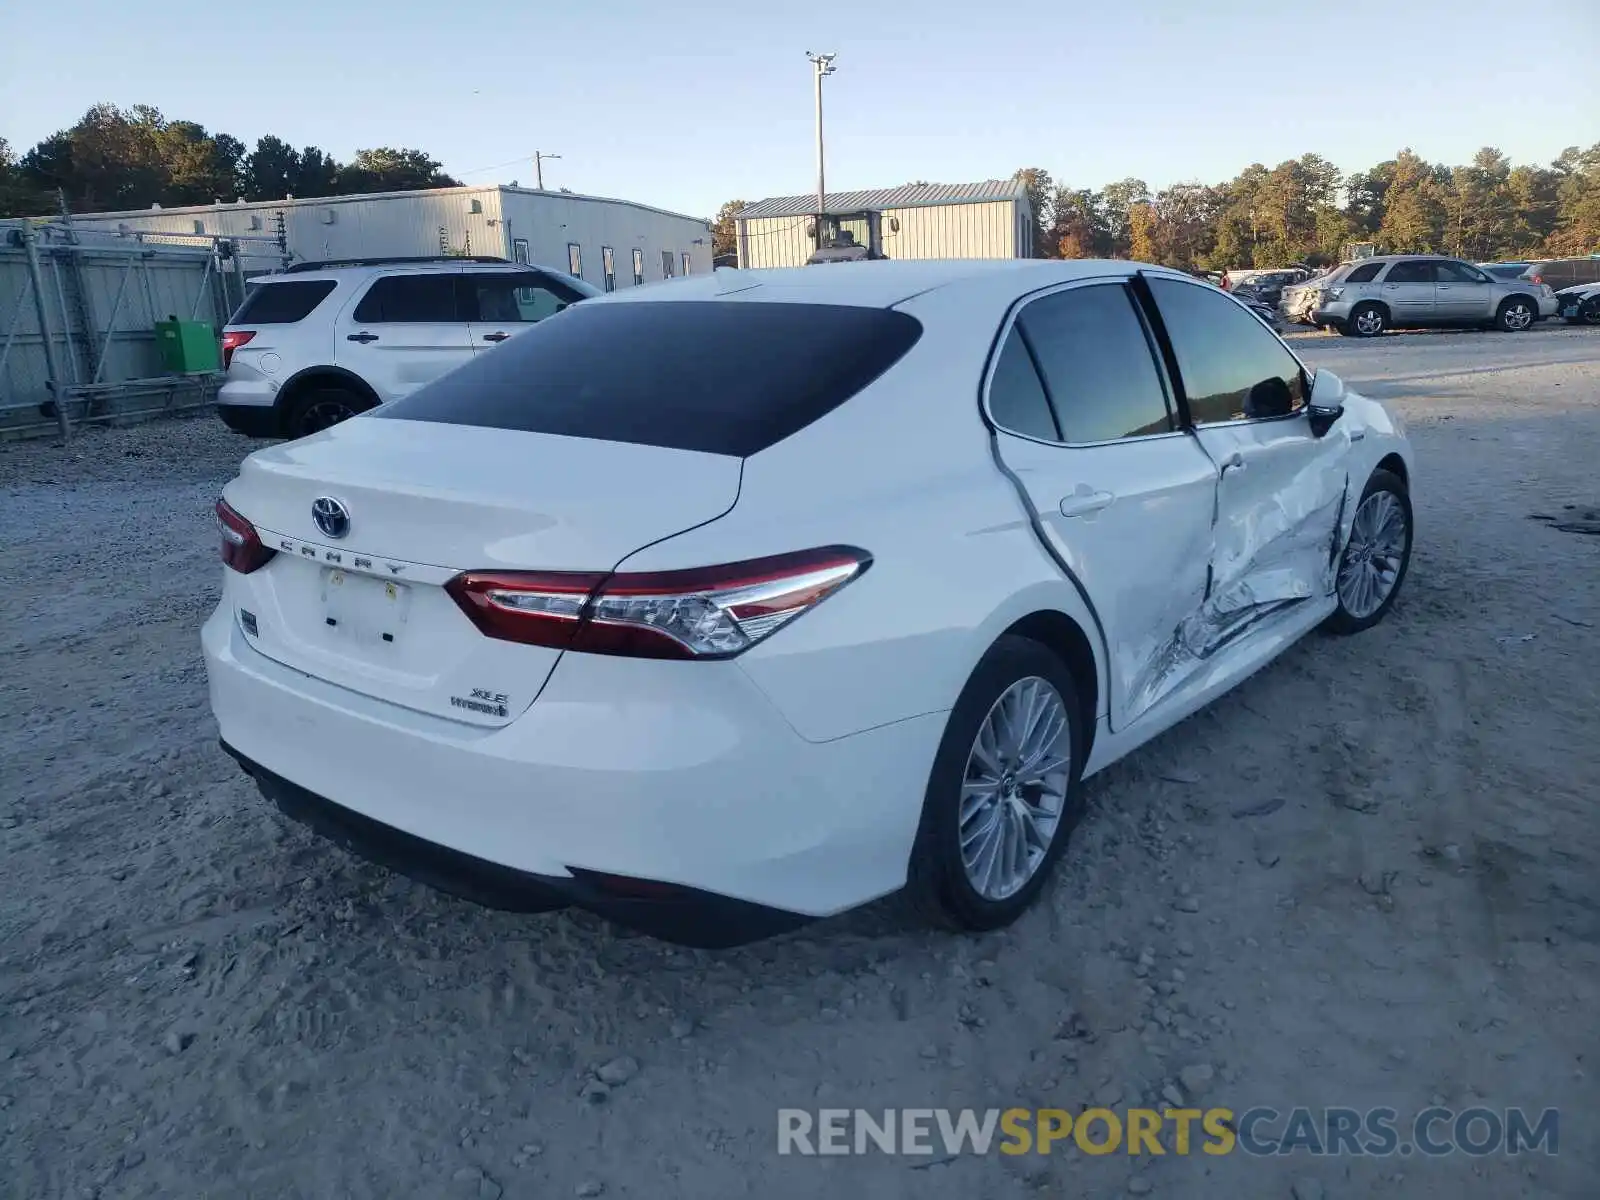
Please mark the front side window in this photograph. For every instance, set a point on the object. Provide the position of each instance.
(1365, 273)
(608, 264)
(514, 296)
(1459, 272)
(1411, 271)
(413, 299)
(575, 260)
(1098, 366)
(1234, 368)
(638, 267)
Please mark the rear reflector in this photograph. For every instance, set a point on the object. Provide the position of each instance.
(242, 548)
(231, 341)
(706, 612)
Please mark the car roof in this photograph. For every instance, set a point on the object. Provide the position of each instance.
(876, 284)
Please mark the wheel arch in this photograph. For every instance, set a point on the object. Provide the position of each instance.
(1066, 637)
(302, 381)
(1395, 465)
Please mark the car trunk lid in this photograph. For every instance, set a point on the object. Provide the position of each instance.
(358, 598)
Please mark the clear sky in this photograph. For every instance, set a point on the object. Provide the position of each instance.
(687, 103)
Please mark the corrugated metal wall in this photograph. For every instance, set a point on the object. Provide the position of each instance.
(553, 222)
(986, 230)
(774, 242)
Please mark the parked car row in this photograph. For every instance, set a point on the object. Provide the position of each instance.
(655, 609)
(1417, 291)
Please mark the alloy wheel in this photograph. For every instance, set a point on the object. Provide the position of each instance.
(1372, 559)
(1369, 321)
(1015, 788)
(1518, 317)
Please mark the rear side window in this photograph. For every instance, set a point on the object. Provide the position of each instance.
(283, 303)
(721, 377)
(1017, 402)
(1097, 363)
(412, 299)
(1365, 273)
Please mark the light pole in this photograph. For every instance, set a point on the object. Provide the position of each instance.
(821, 64)
(538, 167)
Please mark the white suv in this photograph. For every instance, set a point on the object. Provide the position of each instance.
(323, 341)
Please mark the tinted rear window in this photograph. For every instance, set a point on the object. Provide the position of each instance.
(723, 377)
(1365, 273)
(282, 303)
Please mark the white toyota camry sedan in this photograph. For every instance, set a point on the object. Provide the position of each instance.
(724, 605)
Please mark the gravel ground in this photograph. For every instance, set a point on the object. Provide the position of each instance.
(1367, 877)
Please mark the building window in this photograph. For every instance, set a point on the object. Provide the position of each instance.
(575, 260)
(608, 264)
(666, 264)
(686, 268)
(519, 250)
(638, 267)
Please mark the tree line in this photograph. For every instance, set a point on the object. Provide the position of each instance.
(114, 159)
(1305, 210)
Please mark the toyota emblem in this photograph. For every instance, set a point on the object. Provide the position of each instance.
(331, 516)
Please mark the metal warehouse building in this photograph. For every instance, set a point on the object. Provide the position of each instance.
(920, 220)
(610, 243)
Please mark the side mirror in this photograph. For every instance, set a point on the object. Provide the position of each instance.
(1327, 402)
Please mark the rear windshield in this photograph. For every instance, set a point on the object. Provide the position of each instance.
(722, 377)
(1508, 270)
(282, 303)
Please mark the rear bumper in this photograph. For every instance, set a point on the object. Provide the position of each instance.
(680, 774)
(683, 915)
(1548, 307)
(252, 420)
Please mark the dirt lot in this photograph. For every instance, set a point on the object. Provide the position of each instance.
(1369, 877)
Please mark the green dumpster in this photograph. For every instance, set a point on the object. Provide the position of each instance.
(187, 347)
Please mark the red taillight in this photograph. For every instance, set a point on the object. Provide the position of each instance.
(707, 612)
(232, 339)
(241, 544)
(1536, 278)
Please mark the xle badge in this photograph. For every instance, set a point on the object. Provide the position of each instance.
(491, 704)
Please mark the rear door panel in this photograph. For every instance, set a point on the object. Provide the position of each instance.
(1122, 500)
(399, 335)
(1411, 300)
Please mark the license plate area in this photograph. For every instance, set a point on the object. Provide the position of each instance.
(363, 609)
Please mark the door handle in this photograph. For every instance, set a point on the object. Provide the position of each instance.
(1085, 502)
(362, 337)
(495, 337)
(1443, 287)
(1234, 462)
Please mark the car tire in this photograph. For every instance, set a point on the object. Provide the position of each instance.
(1588, 312)
(321, 408)
(1516, 315)
(1359, 609)
(1367, 320)
(940, 878)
